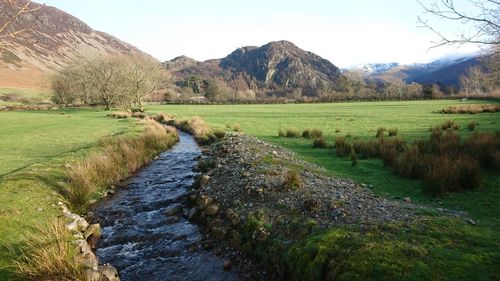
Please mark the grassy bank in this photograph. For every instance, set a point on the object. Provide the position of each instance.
(467, 251)
(35, 149)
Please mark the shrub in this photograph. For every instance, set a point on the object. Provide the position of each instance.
(281, 133)
(342, 147)
(472, 125)
(164, 118)
(49, 254)
(393, 132)
(292, 133)
(319, 143)
(293, 181)
(354, 157)
(380, 132)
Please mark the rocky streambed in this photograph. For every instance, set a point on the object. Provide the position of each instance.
(145, 231)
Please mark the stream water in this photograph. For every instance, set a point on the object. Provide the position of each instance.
(144, 237)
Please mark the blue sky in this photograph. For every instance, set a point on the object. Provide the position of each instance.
(345, 32)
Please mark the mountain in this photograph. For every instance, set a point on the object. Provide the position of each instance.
(444, 71)
(50, 39)
(281, 64)
(276, 65)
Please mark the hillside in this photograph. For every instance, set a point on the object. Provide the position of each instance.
(51, 39)
(274, 66)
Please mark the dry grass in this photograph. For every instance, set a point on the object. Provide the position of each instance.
(449, 124)
(471, 109)
(48, 254)
(281, 133)
(393, 132)
(312, 133)
(115, 160)
(342, 147)
(120, 114)
(471, 126)
(319, 143)
(292, 181)
(292, 133)
(198, 128)
(380, 132)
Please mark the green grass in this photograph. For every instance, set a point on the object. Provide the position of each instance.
(30, 95)
(361, 120)
(34, 146)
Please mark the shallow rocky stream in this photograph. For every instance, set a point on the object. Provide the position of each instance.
(144, 233)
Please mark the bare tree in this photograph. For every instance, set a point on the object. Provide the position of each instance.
(481, 16)
(20, 9)
(475, 81)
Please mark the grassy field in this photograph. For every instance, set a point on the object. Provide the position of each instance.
(34, 146)
(28, 95)
(361, 120)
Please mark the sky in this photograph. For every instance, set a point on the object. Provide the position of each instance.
(347, 32)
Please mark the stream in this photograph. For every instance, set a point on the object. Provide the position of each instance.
(144, 234)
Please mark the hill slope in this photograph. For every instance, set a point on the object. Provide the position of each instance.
(51, 39)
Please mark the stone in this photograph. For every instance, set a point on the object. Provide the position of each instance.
(212, 210)
(227, 265)
(471, 221)
(275, 153)
(204, 179)
(311, 204)
(191, 214)
(92, 275)
(89, 261)
(407, 199)
(92, 202)
(335, 213)
(234, 238)
(108, 273)
(204, 201)
(232, 216)
(93, 230)
(39, 209)
(218, 232)
(172, 210)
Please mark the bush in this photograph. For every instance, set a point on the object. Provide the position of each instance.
(482, 146)
(367, 149)
(393, 132)
(472, 125)
(49, 254)
(281, 133)
(293, 181)
(380, 132)
(472, 109)
(292, 133)
(342, 147)
(319, 143)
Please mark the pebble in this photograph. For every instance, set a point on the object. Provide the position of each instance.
(227, 265)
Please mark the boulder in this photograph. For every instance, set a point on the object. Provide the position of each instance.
(92, 230)
(108, 273)
(204, 201)
(212, 210)
(232, 216)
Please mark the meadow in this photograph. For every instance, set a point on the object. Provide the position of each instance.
(19, 96)
(35, 146)
(413, 119)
